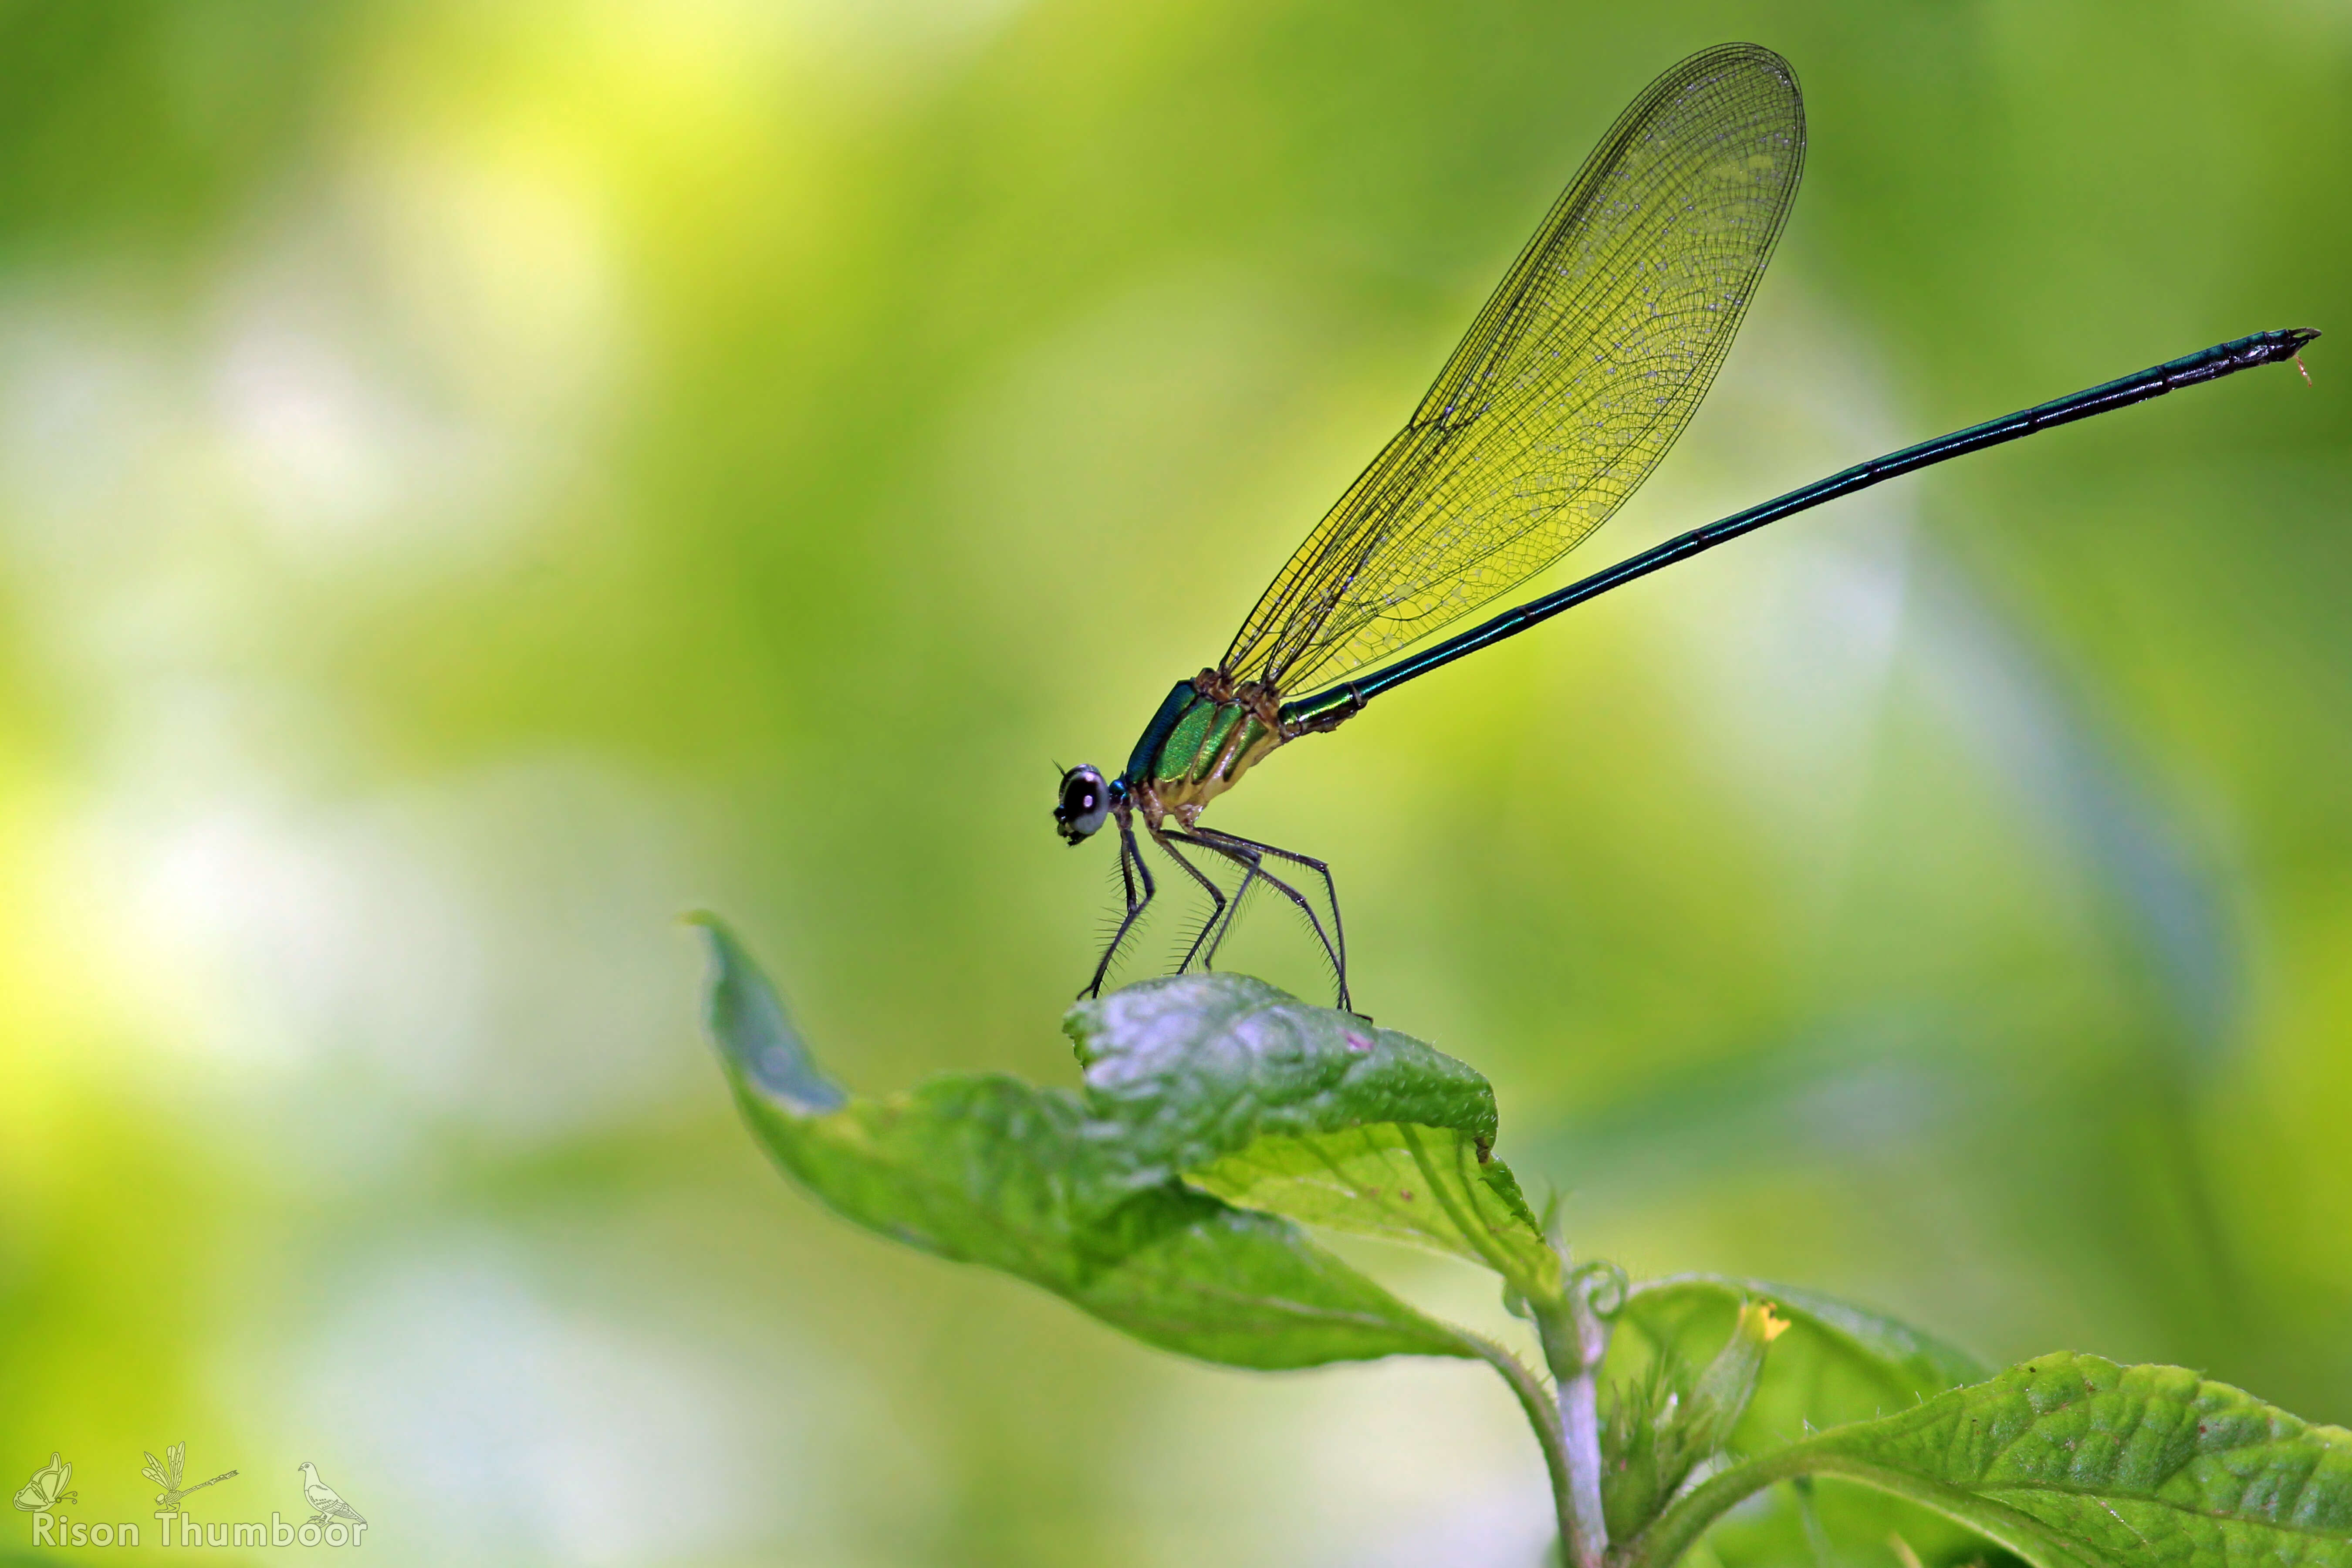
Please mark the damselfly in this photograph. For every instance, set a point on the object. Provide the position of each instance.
(1570, 386)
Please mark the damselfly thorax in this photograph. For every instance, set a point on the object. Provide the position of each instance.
(1209, 731)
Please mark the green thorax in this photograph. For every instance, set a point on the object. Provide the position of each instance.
(1197, 747)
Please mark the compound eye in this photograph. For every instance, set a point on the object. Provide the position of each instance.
(1086, 802)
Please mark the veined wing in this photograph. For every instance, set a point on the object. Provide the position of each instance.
(1570, 386)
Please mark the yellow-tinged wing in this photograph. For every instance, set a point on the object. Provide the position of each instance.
(1570, 386)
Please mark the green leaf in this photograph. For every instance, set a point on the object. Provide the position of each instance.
(1422, 1185)
(1836, 1363)
(991, 1171)
(758, 1042)
(1857, 1526)
(1309, 1113)
(2074, 1462)
(1195, 1066)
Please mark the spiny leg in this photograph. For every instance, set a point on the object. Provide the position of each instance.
(1337, 948)
(1252, 871)
(1331, 890)
(1249, 855)
(1131, 869)
(1251, 875)
(1330, 954)
(1217, 895)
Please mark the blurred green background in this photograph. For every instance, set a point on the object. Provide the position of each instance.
(479, 480)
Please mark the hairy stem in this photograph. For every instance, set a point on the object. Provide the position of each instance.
(1535, 1401)
(1574, 1340)
(1579, 1419)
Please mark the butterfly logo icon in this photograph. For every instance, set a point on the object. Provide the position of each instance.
(47, 1487)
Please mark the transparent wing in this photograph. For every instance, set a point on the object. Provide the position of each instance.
(1570, 386)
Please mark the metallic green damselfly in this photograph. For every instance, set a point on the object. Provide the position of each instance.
(1570, 386)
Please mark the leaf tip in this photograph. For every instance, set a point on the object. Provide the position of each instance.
(747, 1023)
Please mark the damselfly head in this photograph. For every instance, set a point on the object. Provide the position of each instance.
(1086, 802)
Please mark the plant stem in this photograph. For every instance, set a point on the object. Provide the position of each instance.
(1535, 1401)
(1574, 1340)
(1579, 1419)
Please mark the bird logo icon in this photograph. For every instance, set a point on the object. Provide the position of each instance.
(165, 1473)
(47, 1487)
(325, 1501)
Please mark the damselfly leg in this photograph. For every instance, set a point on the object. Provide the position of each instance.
(1251, 855)
(1133, 874)
(1217, 905)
